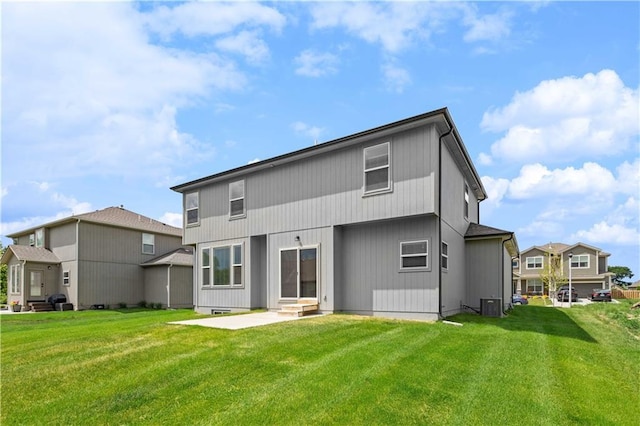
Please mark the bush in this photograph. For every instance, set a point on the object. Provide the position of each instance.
(142, 304)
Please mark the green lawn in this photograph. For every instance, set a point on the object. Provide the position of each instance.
(538, 366)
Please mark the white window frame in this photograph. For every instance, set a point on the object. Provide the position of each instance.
(424, 254)
(234, 263)
(189, 206)
(235, 185)
(466, 201)
(39, 237)
(535, 283)
(206, 267)
(575, 263)
(366, 170)
(515, 263)
(14, 278)
(150, 241)
(32, 240)
(66, 278)
(444, 250)
(531, 262)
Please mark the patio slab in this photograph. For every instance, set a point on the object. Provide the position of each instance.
(237, 322)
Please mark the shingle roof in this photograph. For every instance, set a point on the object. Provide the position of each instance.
(114, 216)
(181, 256)
(30, 254)
(477, 230)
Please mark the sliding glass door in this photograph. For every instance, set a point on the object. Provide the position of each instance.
(299, 273)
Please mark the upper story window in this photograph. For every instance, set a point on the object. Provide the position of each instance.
(515, 263)
(148, 243)
(65, 278)
(377, 168)
(191, 211)
(466, 201)
(32, 240)
(236, 199)
(534, 262)
(580, 261)
(414, 254)
(445, 256)
(39, 239)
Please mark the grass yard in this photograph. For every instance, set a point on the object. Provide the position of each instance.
(538, 366)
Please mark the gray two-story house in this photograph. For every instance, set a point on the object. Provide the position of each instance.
(104, 258)
(382, 222)
(588, 265)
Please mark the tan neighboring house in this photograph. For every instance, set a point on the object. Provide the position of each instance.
(588, 268)
(108, 257)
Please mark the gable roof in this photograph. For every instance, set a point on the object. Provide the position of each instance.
(440, 117)
(112, 216)
(562, 248)
(181, 257)
(29, 254)
(477, 231)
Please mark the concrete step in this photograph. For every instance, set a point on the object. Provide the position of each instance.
(41, 307)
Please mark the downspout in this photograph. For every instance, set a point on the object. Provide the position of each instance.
(440, 139)
(77, 268)
(169, 286)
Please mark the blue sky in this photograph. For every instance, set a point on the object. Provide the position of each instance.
(112, 103)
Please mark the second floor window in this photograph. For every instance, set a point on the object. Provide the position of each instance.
(40, 237)
(148, 243)
(515, 263)
(445, 256)
(191, 203)
(377, 169)
(466, 201)
(534, 262)
(236, 199)
(580, 261)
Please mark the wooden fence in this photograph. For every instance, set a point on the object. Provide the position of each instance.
(616, 293)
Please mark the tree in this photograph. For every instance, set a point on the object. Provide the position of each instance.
(3, 278)
(552, 274)
(621, 272)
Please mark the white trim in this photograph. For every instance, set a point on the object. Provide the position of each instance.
(445, 256)
(187, 209)
(231, 200)
(573, 259)
(424, 254)
(298, 249)
(533, 262)
(373, 169)
(151, 243)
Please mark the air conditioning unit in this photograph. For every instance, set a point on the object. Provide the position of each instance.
(491, 307)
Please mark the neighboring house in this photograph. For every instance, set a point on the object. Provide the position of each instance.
(634, 286)
(382, 222)
(588, 268)
(106, 257)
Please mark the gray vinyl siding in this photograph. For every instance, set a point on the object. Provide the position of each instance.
(223, 297)
(258, 278)
(453, 278)
(170, 286)
(181, 294)
(485, 277)
(371, 280)
(452, 197)
(323, 190)
(156, 283)
(322, 238)
(110, 258)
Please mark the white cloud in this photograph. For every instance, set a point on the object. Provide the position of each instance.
(493, 27)
(396, 78)
(307, 130)
(104, 101)
(173, 219)
(210, 18)
(316, 64)
(537, 181)
(5, 192)
(246, 43)
(567, 118)
(604, 233)
(541, 230)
